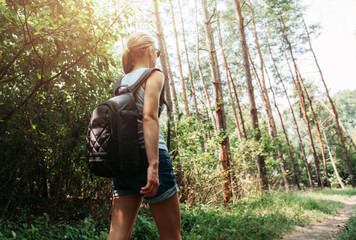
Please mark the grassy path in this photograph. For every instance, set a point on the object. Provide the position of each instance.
(328, 228)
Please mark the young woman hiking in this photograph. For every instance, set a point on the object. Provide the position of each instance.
(155, 182)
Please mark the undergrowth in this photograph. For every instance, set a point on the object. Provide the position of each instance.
(349, 233)
(268, 216)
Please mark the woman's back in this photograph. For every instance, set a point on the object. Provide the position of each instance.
(129, 80)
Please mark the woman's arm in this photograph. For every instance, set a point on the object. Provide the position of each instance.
(153, 87)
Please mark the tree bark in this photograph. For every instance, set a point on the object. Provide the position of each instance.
(228, 76)
(342, 141)
(184, 90)
(253, 111)
(219, 105)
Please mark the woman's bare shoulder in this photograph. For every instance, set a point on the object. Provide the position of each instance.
(156, 78)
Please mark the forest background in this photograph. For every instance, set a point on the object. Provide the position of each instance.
(246, 114)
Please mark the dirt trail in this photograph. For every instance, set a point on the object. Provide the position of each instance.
(326, 229)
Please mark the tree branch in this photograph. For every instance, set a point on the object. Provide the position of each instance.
(41, 83)
(7, 67)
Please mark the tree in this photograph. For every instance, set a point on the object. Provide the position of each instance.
(302, 102)
(342, 141)
(165, 64)
(197, 61)
(188, 63)
(317, 128)
(266, 102)
(253, 111)
(55, 67)
(228, 77)
(219, 105)
(182, 81)
(293, 115)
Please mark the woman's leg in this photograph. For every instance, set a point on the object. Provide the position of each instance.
(167, 217)
(123, 216)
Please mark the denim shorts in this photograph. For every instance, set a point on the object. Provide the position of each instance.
(122, 186)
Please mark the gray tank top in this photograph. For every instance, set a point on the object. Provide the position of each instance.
(129, 80)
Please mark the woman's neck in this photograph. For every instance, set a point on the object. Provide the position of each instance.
(144, 63)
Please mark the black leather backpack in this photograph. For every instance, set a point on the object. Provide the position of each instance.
(112, 139)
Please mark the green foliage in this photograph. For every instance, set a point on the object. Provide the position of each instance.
(256, 217)
(58, 60)
(56, 66)
(267, 216)
(145, 228)
(197, 162)
(345, 102)
(41, 228)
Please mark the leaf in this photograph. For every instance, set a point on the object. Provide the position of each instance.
(13, 234)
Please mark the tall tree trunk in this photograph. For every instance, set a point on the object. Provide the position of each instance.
(228, 76)
(317, 129)
(182, 81)
(238, 107)
(333, 163)
(346, 157)
(302, 103)
(219, 104)
(292, 111)
(264, 95)
(211, 114)
(188, 63)
(172, 87)
(266, 102)
(282, 163)
(294, 167)
(164, 60)
(253, 111)
(202, 143)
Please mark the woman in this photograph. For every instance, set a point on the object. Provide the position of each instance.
(155, 181)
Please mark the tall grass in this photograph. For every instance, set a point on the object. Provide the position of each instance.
(268, 216)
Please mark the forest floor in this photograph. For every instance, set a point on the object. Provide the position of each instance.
(306, 214)
(327, 228)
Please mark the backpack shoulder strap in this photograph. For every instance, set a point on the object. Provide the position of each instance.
(117, 86)
(136, 85)
(142, 79)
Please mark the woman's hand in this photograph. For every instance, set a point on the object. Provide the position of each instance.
(152, 185)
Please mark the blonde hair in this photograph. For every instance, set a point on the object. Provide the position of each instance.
(135, 48)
